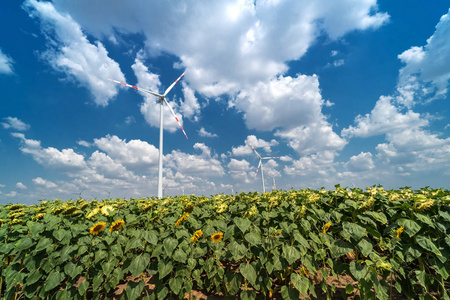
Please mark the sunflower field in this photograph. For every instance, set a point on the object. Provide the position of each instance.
(276, 245)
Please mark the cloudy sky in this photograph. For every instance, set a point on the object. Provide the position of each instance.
(343, 92)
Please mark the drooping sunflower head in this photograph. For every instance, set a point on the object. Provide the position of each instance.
(97, 228)
(116, 225)
(195, 237)
(399, 231)
(217, 237)
(326, 227)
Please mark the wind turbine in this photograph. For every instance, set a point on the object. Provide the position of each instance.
(260, 165)
(162, 100)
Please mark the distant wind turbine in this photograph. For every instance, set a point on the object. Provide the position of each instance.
(260, 165)
(162, 100)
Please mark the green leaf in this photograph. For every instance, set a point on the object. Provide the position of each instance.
(139, 263)
(378, 216)
(248, 271)
(424, 219)
(242, 224)
(25, 244)
(161, 291)
(248, 295)
(353, 231)
(427, 244)
(33, 276)
(97, 282)
(301, 283)
(150, 236)
(59, 234)
(380, 289)
(253, 237)
(72, 270)
(169, 245)
(36, 229)
(289, 293)
(108, 266)
(134, 289)
(291, 254)
(176, 284)
(53, 280)
(339, 248)
(232, 282)
(409, 226)
(365, 246)
(358, 270)
(180, 256)
(82, 287)
(299, 238)
(445, 215)
(164, 268)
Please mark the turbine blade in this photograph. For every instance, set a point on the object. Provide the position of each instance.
(272, 157)
(255, 151)
(259, 166)
(171, 110)
(172, 85)
(136, 88)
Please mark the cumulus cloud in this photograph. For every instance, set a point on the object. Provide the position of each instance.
(6, 63)
(384, 118)
(15, 123)
(70, 52)
(200, 34)
(65, 160)
(424, 65)
(203, 165)
(135, 155)
(150, 108)
(21, 186)
(203, 133)
(360, 162)
(252, 140)
(39, 181)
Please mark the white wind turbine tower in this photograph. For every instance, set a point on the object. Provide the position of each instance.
(260, 165)
(162, 100)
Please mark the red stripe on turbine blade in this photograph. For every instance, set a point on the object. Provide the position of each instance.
(136, 88)
(123, 83)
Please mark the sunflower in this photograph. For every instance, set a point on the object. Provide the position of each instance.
(182, 219)
(399, 231)
(106, 209)
(196, 235)
(116, 225)
(326, 227)
(97, 228)
(217, 237)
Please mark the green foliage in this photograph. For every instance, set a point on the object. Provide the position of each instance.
(277, 242)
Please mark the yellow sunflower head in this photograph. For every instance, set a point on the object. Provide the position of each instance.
(217, 237)
(196, 235)
(94, 230)
(116, 225)
(326, 227)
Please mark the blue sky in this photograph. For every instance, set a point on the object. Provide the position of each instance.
(344, 92)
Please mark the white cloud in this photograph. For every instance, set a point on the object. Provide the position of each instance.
(135, 155)
(6, 64)
(203, 133)
(283, 102)
(203, 166)
(256, 143)
(427, 65)
(70, 52)
(384, 118)
(190, 106)
(65, 160)
(15, 123)
(227, 46)
(150, 108)
(84, 143)
(239, 170)
(21, 186)
(360, 162)
(315, 138)
(39, 181)
(11, 194)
